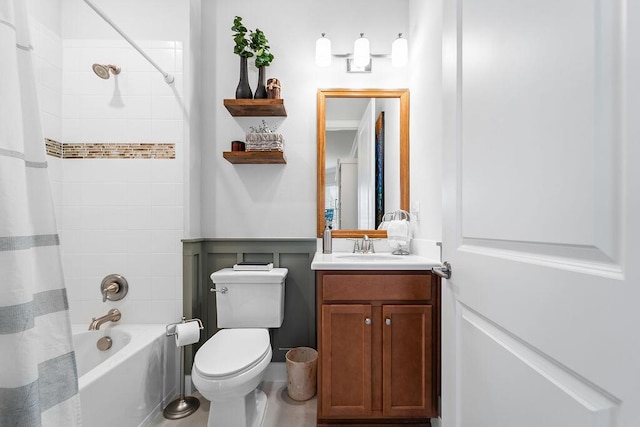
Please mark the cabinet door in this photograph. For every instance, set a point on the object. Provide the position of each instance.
(345, 355)
(408, 361)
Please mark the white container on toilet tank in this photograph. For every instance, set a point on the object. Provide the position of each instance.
(252, 299)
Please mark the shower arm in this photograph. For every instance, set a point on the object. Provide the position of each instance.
(167, 77)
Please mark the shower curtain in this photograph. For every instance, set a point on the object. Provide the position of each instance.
(38, 378)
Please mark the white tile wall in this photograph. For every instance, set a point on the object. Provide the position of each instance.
(115, 216)
(127, 227)
(136, 105)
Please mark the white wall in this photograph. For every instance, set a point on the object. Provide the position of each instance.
(236, 200)
(425, 56)
(139, 19)
(123, 215)
(117, 215)
(193, 149)
(47, 13)
(134, 106)
(280, 200)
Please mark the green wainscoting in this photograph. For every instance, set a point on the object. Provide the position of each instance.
(201, 257)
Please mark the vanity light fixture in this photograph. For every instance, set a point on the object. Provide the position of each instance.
(360, 59)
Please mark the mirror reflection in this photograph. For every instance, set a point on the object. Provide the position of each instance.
(362, 162)
(363, 158)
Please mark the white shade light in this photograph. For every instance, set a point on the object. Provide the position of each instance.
(323, 51)
(399, 52)
(361, 51)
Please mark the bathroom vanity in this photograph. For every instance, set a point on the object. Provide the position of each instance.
(378, 314)
(378, 339)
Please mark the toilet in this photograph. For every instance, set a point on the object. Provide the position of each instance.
(229, 366)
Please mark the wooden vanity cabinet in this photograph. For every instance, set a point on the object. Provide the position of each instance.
(379, 346)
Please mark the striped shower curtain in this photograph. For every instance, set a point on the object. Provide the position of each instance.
(38, 379)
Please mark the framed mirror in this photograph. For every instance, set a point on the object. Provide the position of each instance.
(363, 159)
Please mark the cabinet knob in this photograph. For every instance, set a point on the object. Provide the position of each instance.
(367, 321)
(387, 321)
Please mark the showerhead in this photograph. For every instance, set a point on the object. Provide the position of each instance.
(102, 71)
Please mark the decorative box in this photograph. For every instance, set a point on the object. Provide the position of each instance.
(264, 142)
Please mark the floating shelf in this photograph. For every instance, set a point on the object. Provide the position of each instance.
(254, 157)
(256, 107)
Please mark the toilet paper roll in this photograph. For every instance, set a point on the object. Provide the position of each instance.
(187, 333)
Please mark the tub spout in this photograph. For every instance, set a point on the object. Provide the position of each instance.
(112, 316)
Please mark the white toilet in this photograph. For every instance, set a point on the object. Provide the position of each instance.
(230, 365)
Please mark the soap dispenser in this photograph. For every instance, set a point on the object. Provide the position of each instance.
(326, 239)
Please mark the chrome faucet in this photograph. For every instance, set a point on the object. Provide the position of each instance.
(112, 316)
(364, 246)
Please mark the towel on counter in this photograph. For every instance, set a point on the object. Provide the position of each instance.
(398, 232)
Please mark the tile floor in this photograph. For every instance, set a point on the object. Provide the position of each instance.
(282, 411)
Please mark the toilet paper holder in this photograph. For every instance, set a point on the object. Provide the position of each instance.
(171, 328)
(183, 406)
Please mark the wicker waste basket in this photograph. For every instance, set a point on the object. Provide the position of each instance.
(302, 366)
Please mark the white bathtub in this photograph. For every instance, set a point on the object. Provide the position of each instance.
(128, 384)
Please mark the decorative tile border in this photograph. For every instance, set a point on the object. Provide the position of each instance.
(101, 150)
(54, 148)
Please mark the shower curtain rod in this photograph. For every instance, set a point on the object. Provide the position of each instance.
(167, 77)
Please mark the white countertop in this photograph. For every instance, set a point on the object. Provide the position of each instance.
(376, 261)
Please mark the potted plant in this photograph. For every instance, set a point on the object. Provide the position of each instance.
(242, 49)
(260, 47)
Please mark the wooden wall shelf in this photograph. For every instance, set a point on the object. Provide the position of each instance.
(256, 107)
(254, 157)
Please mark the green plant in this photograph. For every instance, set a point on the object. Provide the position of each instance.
(261, 48)
(242, 47)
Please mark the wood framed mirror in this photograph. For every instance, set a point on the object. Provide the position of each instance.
(369, 196)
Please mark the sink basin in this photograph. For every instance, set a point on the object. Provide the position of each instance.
(371, 257)
(376, 261)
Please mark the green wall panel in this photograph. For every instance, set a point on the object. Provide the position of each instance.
(204, 256)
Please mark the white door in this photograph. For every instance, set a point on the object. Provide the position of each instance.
(541, 317)
(366, 171)
(348, 194)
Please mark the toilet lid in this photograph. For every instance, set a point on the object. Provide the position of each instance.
(232, 350)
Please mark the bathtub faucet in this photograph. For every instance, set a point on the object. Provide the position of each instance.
(112, 316)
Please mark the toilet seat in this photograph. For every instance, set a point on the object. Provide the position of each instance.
(232, 351)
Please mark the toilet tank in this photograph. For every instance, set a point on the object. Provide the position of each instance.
(254, 299)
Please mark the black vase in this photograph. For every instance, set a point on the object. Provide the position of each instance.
(243, 91)
(261, 91)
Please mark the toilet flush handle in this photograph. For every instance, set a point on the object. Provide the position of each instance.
(223, 290)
